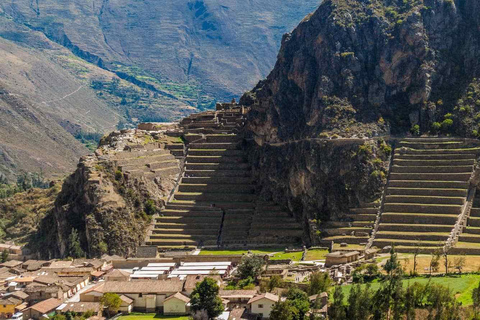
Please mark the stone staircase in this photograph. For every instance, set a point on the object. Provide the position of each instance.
(469, 239)
(215, 204)
(426, 193)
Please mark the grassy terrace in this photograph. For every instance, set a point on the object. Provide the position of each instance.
(277, 254)
(145, 316)
(460, 285)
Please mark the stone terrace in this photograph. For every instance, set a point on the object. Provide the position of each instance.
(215, 204)
(426, 192)
(354, 228)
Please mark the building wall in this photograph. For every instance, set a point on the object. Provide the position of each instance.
(174, 307)
(6, 310)
(263, 307)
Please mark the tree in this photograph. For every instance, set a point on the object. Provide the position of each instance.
(392, 266)
(111, 301)
(459, 263)
(337, 308)
(205, 297)
(359, 303)
(319, 282)
(416, 252)
(200, 315)
(274, 282)
(250, 266)
(4, 255)
(59, 317)
(434, 262)
(283, 310)
(476, 301)
(299, 300)
(74, 247)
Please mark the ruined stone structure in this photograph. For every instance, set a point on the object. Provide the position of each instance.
(215, 203)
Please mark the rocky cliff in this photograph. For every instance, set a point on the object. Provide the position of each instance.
(360, 69)
(108, 206)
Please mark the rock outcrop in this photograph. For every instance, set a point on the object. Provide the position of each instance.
(108, 203)
(360, 69)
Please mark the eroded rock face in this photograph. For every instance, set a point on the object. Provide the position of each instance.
(106, 206)
(370, 59)
(320, 180)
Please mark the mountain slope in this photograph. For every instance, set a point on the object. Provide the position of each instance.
(222, 46)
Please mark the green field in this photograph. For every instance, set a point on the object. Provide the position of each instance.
(294, 256)
(316, 255)
(238, 252)
(146, 316)
(461, 286)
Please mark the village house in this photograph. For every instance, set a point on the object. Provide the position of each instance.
(147, 296)
(8, 305)
(80, 308)
(237, 298)
(11, 249)
(176, 305)
(45, 307)
(34, 265)
(262, 304)
(117, 275)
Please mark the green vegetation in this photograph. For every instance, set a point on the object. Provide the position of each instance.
(205, 298)
(112, 302)
(25, 181)
(238, 252)
(251, 266)
(294, 256)
(74, 246)
(316, 254)
(147, 316)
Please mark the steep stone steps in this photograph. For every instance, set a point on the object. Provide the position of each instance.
(432, 169)
(238, 188)
(432, 145)
(217, 166)
(217, 204)
(419, 236)
(424, 199)
(443, 151)
(381, 243)
(215, 197)
(418, 218)
(423, 208)
(218, 173)
(427, 192)
(188, 213)
(430, 163)
(431, 176)
(210, 180)
(191, 231)
(217, 146)
(216, 152)
(435, 156)
(214, 159)
(415, 227)
(440, 184)
(347, 231)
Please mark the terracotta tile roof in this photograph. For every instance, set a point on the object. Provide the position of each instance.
(81, 307)
(97, 273)
(126, 299)
(179, 296)
(97, 288)
(117, 274)
(61, 264)
(11, 263)
(46, 305)
(267, 296)
(151, 286)
(20, 295)
(237, 293)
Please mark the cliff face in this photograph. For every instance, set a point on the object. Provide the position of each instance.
(360, 63)
(360, 69)
(109, 208)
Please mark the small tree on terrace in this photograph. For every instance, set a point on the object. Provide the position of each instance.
(205, 297)
(250, 266)
(112, 302)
